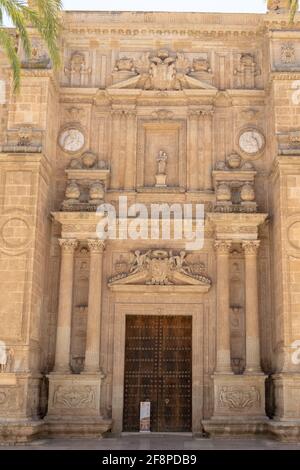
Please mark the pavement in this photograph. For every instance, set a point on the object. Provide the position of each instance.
(155, 442)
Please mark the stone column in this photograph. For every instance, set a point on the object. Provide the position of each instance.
(252, 316)
(223, 365)
(92, 350)
(131, 150)
(63, 337)
(193, 150)
(208, 149)
(115, 150)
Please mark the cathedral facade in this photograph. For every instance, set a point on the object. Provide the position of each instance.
(163, 109)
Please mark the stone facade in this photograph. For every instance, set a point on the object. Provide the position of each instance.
(163, 108)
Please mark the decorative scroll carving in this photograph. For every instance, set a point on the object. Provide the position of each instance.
(160, 267)
(23, 139)
(162, 71)
(74, 397)
(288, 54)
(239, 398)
(68, 245)
(39, 58)
(96, 245)
(251, 247)
(223, 247)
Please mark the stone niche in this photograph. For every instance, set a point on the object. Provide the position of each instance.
(155, 137)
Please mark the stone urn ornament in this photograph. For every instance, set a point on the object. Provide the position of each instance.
(72, 193)
(234, 161)
(96, 192)
(223, 193)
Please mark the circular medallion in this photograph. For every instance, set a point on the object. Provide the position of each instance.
(251, 142)
(71, 140)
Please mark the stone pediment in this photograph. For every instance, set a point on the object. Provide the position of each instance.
(162, 72)
(160, 268)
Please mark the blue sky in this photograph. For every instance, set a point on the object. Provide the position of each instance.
(254, 6)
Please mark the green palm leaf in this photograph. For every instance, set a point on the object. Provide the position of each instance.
(44, 15)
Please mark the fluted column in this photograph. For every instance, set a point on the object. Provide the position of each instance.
(92, 350)
(208, 147)
(63, 337)
(115, 148)
(252, 311)
(131, 149)
(223, 319)
(193, 150)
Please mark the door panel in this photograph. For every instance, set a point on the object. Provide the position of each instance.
(158, 367)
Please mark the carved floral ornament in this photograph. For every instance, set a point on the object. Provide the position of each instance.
(239, 398)
(74, 397)
(288, 54)
(162, 71)
(159, 267)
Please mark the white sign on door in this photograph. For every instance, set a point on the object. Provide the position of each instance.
(145, 411)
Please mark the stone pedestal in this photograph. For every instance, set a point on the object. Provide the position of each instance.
(286, 423)
(239, 405)
(74, 406)
(161, 181)
(19, 406)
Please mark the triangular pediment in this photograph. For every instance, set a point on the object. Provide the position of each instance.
(185, 82)
(159, 268)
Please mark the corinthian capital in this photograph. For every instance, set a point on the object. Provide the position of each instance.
(96, 246)
(68, 245)
(223, 246)
(251, 247)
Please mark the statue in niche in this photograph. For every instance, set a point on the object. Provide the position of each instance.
(161, 175)
(6, 358)
(77, 70)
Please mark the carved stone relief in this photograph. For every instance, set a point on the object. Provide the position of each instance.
(159, 267)
(237, 398)
(247, 71)
(162, 71)
(74, 397)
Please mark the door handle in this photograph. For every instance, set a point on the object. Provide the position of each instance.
(167, 401)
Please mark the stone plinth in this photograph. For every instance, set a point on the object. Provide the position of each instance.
(74, 406)
(239, 405)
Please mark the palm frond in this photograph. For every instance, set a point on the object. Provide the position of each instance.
(7, 42)
(294, 5)
(14, 9)
(45, 17)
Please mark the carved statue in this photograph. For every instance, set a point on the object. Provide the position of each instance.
(162, 163)
(139, 261)
(3, 356)
(6, 358)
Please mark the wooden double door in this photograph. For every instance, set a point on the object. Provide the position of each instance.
(158, 368)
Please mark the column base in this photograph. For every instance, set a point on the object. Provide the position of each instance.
(239, 405)
(285, 431)
(19, 407)
(20, 431)
(81, 427)
(287, 396)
